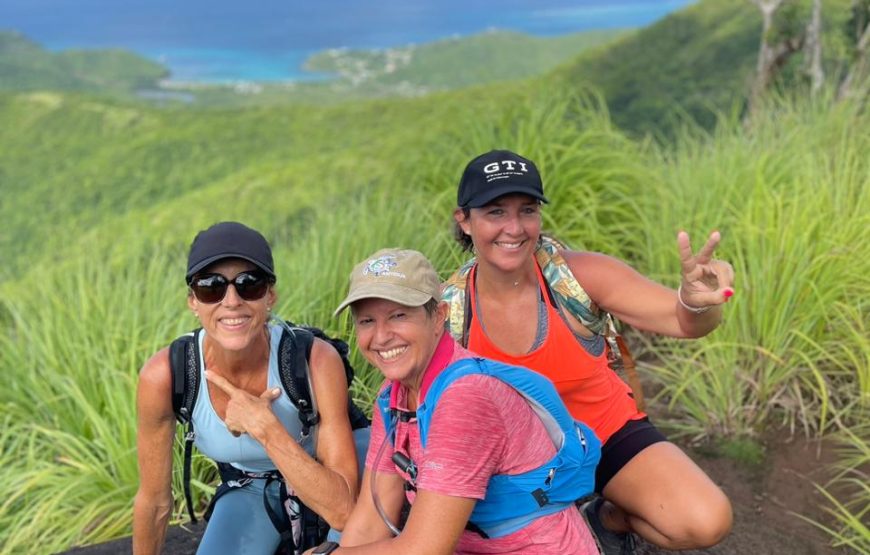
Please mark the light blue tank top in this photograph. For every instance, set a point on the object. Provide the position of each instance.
(244, 452)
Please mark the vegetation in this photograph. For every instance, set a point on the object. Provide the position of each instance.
(24, 66)
(458, 62)
(695, 64)
(101, 198)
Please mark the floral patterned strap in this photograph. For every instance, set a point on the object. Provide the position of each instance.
(568, 292)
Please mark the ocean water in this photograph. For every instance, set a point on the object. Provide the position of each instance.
(269, 40)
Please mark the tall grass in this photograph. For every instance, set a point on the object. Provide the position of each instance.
(792, 200)
(790, 196)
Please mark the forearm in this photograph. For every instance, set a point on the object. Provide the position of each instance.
(693, 325)
(323, 490)
(149, 524)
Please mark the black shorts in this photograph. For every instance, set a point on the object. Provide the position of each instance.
(628, 441)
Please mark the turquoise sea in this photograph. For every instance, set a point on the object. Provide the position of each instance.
(268, 40)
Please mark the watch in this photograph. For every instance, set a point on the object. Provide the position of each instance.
(324, 548)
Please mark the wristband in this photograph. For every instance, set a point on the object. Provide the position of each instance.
(692, 309)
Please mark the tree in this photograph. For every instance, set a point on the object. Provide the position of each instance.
(813, 49)
(771, 55)
(855, 84)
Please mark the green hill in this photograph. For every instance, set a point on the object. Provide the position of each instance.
(25, 66)
(457, 62)
(699, 62)
(99, 199)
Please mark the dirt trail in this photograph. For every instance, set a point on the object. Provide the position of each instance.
(765, 499)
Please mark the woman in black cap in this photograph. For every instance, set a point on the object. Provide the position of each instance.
(527, 301)
(242, 415)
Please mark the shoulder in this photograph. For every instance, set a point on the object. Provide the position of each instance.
(324, 357)
(155, 373)
(154, 396)
(328, 377)
(588, 262)
(598, 273)
(475, 394)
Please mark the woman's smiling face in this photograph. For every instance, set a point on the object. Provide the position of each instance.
(232, 322)
(505, 231)
(396, 339)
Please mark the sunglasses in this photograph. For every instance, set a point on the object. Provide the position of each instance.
(212, 288)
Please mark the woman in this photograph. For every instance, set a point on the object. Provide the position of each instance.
(453, 432)
(242, 417)
(652, 488)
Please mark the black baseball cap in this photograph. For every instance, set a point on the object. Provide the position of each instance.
(497, 173)
(229, 240)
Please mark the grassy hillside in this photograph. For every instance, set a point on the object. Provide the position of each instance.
(24, 65)
(100, 199)
(458, 62)
(97, 284)
(698, 62)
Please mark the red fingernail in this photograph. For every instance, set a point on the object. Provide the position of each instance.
(728, 293)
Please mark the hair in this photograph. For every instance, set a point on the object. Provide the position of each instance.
(461, 237)
(431, 307)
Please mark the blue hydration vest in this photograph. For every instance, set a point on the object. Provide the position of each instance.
(514, 501)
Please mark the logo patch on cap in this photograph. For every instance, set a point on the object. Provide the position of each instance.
(382, 266)
(504, 169)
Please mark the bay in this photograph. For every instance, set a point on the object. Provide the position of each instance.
(269, 40)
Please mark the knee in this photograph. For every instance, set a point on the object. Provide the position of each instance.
(708, 524)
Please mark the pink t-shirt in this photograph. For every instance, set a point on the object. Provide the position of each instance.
(481, 427)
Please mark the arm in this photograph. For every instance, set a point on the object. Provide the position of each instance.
(327, 485)
(421, 535)
(467, 442)
(650, 306)
(365, 525)
(155, 433)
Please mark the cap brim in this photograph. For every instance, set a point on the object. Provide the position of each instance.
(389, 291)
(211, 260)
(491, 194)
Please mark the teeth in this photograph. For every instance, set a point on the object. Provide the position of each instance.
(509, 245)
(392, 353)
(233, 321)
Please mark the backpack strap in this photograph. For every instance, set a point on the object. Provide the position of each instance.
(567, 292)
(453, 293)
(570, 294)
(185, 372)
(293, 352)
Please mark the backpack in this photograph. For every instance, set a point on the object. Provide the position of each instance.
(514, 501)
(566, 292)
(294, 351)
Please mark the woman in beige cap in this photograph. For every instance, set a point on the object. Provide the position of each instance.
(464, 437)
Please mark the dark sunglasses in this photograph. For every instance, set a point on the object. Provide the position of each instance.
(211, 288)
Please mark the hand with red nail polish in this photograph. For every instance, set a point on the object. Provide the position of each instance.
(706, 282)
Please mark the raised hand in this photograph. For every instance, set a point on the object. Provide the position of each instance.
(245, 413)
(705, 281)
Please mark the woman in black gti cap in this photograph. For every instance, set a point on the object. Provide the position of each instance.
(242, 417)
(528, 301)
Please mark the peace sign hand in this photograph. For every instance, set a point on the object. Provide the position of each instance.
(246, 413)
(706, 282)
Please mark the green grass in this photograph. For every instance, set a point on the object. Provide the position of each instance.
(84, 312)
(100, 199)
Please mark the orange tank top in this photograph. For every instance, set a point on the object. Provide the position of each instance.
(593, 393)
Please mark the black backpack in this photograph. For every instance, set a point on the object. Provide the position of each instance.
(294, 351)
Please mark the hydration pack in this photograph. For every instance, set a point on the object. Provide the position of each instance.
(294, 351)
(514, 501)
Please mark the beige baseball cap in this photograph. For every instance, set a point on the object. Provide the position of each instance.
(398, 275)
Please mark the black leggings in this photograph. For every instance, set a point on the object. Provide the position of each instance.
(628, 441)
